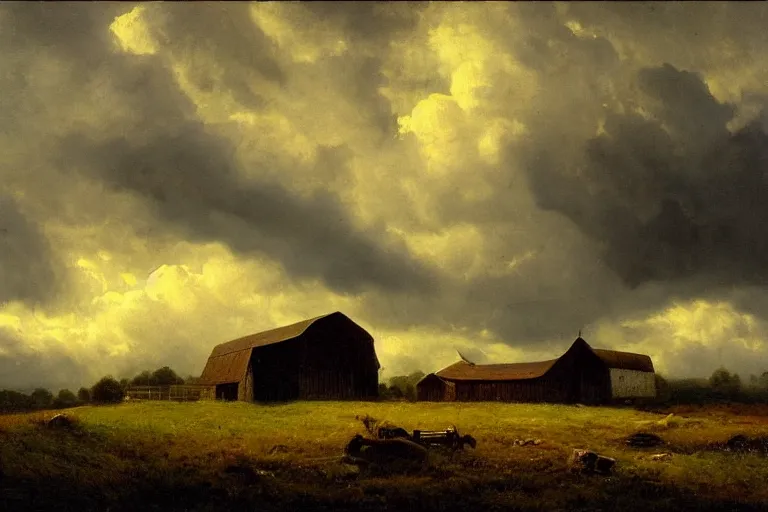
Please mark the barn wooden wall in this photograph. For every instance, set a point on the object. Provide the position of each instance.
(327, 362)
(434, 389)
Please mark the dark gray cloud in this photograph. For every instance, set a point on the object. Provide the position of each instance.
(665, 203)
(192, 183)
(671, 197)
(23, 368)
(159, 149)
(27, 273)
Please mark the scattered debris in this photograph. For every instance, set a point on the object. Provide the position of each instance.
(587, 461)
(60, 421)
(278, 448)
(369, 423)
(644, 440)
(526, 442)
(449, 437)
(392, 433)
(664, 422)
(661, 456)
(384, 452)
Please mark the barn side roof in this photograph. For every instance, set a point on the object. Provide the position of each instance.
(269, 337)
(513, 371)
(226, 368)
(463, 370)
(625, 360)
(229, 361)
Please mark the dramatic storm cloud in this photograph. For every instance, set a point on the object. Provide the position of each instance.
(488, 177)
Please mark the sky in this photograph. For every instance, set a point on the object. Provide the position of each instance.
(488, 177)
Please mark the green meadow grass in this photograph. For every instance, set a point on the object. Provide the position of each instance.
(218, 455)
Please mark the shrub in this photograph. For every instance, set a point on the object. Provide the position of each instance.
(107, 390)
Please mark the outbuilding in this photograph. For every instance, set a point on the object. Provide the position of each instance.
(582, 374)
(329, 357)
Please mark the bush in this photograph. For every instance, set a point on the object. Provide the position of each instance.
(107, 390)
(12, 401)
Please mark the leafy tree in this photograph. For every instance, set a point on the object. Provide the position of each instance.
(41, 398)
(65, 398)
(407, 384)
(107, 390)
(166, 377)
(725, 382)
(14, 401)
(84, 395)
(142, 379)
(124, 383)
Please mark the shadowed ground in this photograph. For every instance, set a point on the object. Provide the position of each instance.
(216, 456)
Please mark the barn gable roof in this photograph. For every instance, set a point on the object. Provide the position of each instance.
(625, 360)
(463, 370)
(229, 361)
(264, 338)
(513, 371)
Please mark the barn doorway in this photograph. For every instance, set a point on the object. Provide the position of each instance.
(226, 391)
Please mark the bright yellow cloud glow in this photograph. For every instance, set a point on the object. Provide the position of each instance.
(132, 32)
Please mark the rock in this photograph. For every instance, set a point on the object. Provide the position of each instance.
(742, 443)
(59, 421)
(661, 456)
(644, 440)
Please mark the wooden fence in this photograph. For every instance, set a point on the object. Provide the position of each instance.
(179, 393)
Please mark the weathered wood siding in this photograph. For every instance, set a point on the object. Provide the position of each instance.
(434, 389)
(632, 384)
(579, 376)
(338, 362)
(329, 361)
(245, 389)
(529, 390)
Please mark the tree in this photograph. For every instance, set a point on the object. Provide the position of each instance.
(124, 383)
(725, 382)
(65, 398)
(14, 401)
(84, 395)
(107, 390)
(406, 384)
(166, 377)
(41, 398)
(142, 379)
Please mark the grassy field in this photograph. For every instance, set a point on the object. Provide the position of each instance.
(220, 456)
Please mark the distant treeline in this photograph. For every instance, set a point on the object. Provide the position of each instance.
(401, 387)
(722, 386)
(106, 390)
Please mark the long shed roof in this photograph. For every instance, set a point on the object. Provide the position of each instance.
(463, 370)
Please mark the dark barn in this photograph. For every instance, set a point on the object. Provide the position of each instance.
(582, 374)
(326, 358)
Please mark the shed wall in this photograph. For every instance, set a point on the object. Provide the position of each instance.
(632, 384)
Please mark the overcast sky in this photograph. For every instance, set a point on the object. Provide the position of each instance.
(491, 177)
